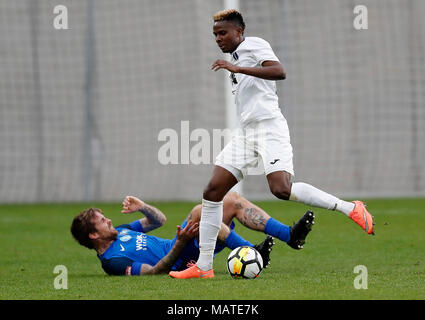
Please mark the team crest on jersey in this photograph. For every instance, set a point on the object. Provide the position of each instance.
(123, 232)
(125, 238)
(235, 55)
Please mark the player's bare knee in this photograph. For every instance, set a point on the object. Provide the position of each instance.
(231, 204)
(281, 191)
(231, 198)
(195, 214)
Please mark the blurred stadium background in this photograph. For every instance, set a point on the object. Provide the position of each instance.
(81, 109)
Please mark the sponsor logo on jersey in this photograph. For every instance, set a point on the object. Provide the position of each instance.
(125, 238)
(141, 243)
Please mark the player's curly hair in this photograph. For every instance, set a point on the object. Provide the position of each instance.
(230, 15)
(82, 226)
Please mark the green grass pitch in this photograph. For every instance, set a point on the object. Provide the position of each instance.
(36, 238)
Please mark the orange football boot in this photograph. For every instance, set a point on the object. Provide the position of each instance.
(192, 272)
(363, 218)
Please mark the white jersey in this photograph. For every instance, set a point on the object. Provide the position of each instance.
(256, 99)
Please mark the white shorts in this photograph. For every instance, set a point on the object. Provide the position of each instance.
(258, 148)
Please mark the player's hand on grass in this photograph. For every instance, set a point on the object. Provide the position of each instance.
(223, 64)
(131, 204)
(188, 232)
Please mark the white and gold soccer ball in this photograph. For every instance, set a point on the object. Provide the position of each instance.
(244, 262)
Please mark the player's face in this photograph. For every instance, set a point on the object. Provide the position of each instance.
(227, 35)
(103, 226)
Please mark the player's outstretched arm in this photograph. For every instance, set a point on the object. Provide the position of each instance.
(165, 264)
(270, 70)
(154, 218)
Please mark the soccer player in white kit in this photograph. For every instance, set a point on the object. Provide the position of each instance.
(262, 141)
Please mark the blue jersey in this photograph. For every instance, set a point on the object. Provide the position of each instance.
(133, 247)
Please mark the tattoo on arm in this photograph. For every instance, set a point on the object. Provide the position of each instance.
(165, 264)
(154, 215)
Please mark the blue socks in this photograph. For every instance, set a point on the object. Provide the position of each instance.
(234, 240)
(277, 229)
(273, 228)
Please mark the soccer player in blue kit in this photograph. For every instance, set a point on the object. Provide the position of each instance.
(128, 250)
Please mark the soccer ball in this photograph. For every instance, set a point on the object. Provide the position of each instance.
(244, 262)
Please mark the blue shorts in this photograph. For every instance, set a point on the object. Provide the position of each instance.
(191, 250)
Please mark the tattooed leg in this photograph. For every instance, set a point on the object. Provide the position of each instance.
(250, 215)
(253, 218)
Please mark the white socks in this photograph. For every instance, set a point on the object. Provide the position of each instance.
(307, 194)
(209, 226)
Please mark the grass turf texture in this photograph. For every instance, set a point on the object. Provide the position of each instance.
(36, 238)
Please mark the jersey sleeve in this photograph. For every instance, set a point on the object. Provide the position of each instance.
(121, 266)
(135, 226)
(262, 51)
